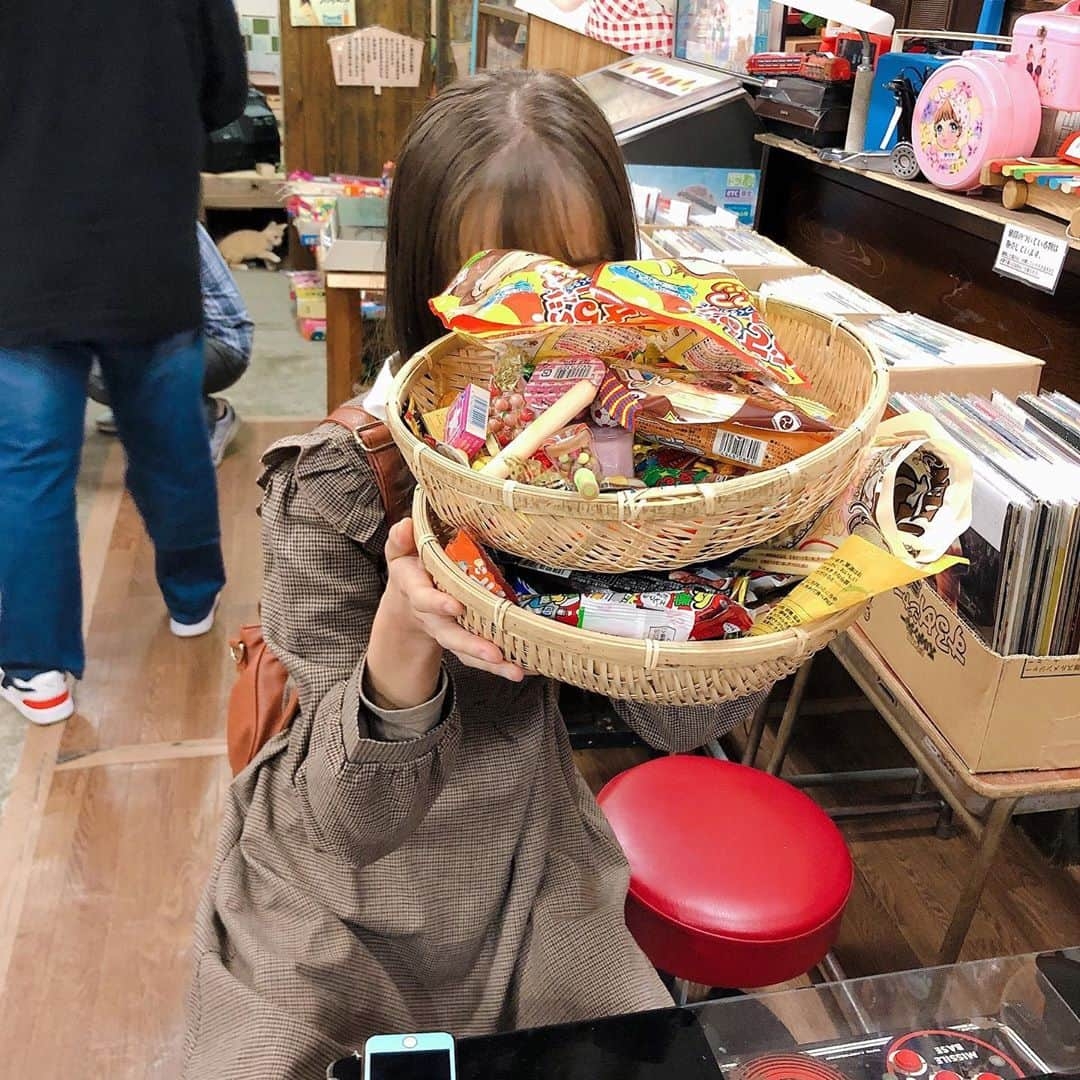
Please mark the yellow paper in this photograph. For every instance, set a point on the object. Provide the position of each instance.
(854, 573)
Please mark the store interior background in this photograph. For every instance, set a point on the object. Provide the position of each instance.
(110, 821)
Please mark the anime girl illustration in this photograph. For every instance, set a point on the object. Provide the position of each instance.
(947, 128)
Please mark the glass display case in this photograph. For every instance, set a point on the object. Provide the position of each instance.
(1003, 1019)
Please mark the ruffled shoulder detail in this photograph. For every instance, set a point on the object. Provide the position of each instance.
(332, 477)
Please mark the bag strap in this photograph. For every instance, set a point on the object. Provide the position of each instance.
(391, 474)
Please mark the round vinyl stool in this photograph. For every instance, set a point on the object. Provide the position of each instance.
(736, 878)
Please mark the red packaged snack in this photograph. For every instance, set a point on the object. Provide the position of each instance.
(684, 615)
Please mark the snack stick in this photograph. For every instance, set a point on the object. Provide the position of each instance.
(578, 397)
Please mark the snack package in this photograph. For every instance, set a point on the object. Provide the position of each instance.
(698, 315)
(684, 615)
(742, 424)
(572, 453)
(747, 447)
(435, 423)
(659, 466)
(617, 405)
(911, 496)
(614, 452)
(467, 421)
(510, 413)
(479, 565)
(856, 571)
(534, 578)
(550, 381)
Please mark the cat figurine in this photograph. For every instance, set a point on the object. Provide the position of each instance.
(238, 247)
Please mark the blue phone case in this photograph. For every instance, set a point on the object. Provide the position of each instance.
(410, 1043)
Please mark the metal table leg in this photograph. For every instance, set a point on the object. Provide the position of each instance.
(791, 714)
(990, 838)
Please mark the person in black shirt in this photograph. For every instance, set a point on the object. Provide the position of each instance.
(104, 116)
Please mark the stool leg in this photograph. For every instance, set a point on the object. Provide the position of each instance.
(680, 991)
(757, 729)
(787, 722)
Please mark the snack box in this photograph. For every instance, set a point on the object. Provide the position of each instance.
(999, 713)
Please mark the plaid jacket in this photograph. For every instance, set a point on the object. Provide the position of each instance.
(462, 881)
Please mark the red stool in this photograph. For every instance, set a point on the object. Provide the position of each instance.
(736, 878)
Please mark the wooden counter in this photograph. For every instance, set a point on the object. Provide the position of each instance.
(921, 249)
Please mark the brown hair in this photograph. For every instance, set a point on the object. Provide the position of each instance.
(945, 111)
(501, 155)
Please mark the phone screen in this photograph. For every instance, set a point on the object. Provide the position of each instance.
(414, 1065)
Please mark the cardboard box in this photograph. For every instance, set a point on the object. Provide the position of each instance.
(1012, 373)
(355, 248)
(999, 713)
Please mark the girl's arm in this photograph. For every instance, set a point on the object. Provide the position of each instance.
(680, 728)
(357, 639)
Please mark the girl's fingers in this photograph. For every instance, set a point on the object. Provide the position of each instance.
(419, 590)
(472, 651)
(400, 542)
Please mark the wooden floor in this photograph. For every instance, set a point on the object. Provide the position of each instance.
(112, 821)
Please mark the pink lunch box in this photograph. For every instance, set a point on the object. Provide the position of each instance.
(1049, 44)
(970, 111)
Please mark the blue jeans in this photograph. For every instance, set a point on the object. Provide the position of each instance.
(156, 393)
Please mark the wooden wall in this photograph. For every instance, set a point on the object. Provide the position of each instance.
(349, 129)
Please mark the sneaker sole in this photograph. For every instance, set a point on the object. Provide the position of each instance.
(198, 629)
(42, 715)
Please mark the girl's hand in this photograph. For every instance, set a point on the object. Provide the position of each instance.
(413, 625)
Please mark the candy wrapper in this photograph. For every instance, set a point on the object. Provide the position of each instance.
(740, 423)
(550, 381)
(573, 454)
(479, 565)
(910, 503)
(659, 466)
(684, 615)
(510, 412)
(699, 316)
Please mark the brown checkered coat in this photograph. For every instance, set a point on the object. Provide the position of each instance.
(463, 881)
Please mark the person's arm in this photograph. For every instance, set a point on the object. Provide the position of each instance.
(681, 728)
(223, 89)
(362, 648)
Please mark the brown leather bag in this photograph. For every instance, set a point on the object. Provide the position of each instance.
(261, 703)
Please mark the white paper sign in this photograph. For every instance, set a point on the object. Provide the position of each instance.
(1033, 257)
(376, 57)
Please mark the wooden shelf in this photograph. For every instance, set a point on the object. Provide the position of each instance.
(986, 207)
(245, 190)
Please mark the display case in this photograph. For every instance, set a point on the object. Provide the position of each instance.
(670, 112)
(1002, 1019)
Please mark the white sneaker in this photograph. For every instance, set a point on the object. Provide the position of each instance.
(43, 699)
(196, 629)
(223, 431)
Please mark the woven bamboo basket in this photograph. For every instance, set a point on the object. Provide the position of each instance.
(656, 528)
(652, 672)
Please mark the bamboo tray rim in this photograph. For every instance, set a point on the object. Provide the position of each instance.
(647, 653)
(630, 505)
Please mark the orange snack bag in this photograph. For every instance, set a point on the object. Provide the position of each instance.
(478, 565)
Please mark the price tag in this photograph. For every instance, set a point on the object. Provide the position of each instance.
(1033, 257)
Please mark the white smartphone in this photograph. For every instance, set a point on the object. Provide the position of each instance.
(421, 1056)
